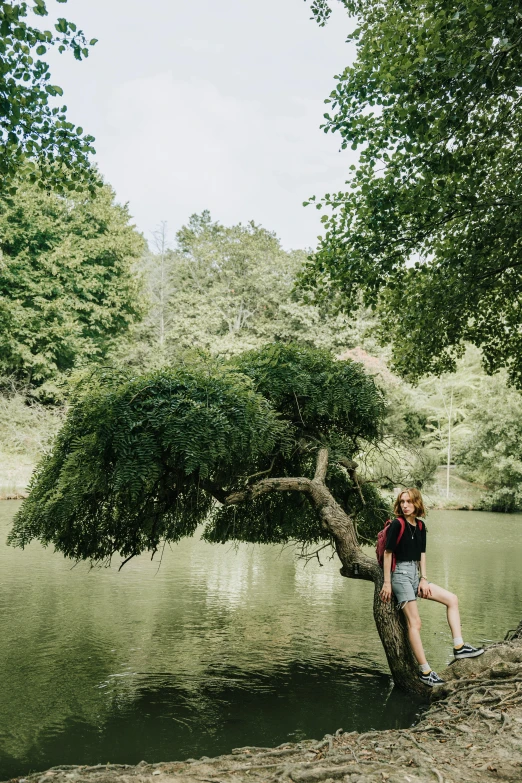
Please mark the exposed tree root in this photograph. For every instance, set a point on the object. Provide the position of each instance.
(471, 732)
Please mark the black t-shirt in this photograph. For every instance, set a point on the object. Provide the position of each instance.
(412, 543)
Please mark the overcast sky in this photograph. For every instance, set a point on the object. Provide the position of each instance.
(214, 104)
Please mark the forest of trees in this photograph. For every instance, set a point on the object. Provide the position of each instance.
(82, 289)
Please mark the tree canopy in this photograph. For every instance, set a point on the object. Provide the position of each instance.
(35, 133)
(143, 461)
(490, 452)
(67, 285)
(227, 289)
(429, 229)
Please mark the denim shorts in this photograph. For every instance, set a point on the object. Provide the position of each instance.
(405, 581)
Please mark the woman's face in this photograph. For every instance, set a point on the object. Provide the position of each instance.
(407, 507)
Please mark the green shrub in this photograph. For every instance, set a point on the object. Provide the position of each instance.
(506, 500)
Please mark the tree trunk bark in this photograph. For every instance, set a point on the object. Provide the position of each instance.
(391, 624)
(517, 634)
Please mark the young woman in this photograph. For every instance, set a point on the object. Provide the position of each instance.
(409, 580)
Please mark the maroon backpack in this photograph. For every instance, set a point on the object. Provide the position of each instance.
(381, 540)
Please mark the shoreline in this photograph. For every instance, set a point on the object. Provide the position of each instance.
(458, 738)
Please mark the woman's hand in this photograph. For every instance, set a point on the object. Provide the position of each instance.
(424, 590)
(386, 592)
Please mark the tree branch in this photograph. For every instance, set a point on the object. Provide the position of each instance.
(321, 466)
(307, 556)
(349, 464)
(213, 490)
(334, 520)
(351, 467)
(263, 487)
(126, 560)
(261, 472)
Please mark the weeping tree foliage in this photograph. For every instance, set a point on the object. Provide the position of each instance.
(142, 461)
(128, 468)
(324, 403)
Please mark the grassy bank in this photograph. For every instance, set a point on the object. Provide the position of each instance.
(15, 472)
(462, 495)
(26, 429)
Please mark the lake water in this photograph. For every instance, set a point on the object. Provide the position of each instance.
(220, 646)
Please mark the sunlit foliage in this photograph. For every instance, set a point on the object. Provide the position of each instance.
(67, 282)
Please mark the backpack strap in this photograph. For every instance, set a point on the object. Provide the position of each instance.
(403, 528)
(402, 523)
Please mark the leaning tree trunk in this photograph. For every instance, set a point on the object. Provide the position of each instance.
(390, 623)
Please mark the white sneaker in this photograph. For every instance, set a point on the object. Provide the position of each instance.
(430, 679)
(467, 651)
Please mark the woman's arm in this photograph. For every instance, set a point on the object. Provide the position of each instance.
(386, 591)
(424, 587)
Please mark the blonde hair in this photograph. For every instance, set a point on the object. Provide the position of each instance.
(416, 499)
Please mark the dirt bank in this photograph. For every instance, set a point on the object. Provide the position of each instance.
(471, 732)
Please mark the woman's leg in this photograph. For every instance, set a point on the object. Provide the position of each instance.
(411, 611)
(451, 602)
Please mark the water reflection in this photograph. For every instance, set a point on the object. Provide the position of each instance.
(219, 648)
(158, 716)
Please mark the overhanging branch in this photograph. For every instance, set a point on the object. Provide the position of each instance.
(351, 468)
(334, 520)
(321, 465)
(263, 487)
(213, 490)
